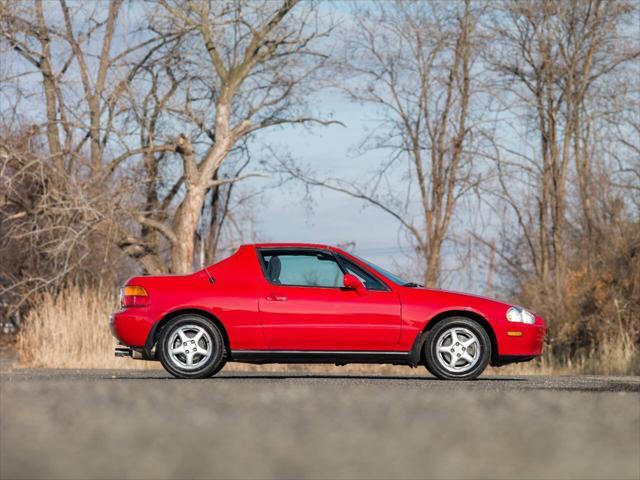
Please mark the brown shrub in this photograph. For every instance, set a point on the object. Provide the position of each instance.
(594, 314)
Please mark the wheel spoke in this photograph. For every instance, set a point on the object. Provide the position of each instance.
(469, 342)
(445, 349)
(467, 357)
(454, 337)
(198, 336)
(183, 335)
(177, 350)
(190, 359)
(453, 360)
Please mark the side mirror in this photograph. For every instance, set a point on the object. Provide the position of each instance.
(352, 282)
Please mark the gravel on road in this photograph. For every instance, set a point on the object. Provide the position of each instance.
(143, 424)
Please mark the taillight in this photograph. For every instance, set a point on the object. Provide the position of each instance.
(133, 296)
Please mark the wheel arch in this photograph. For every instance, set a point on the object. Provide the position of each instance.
(484, 323)
(154, 334)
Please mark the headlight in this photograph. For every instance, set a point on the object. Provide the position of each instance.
(520, 315)
(528, 317)
(514, 315)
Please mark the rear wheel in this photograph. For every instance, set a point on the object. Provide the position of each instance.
(191, 346)
(457, 348)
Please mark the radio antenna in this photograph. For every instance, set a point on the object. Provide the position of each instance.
(211, 280)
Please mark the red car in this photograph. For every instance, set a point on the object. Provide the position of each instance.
(307, 303)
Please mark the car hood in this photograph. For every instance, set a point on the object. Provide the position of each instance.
(453, 298)
(467, 295)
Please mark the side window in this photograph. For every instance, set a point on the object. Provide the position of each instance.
(369, 281)
(306, 269)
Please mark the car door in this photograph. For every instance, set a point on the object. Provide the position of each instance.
(304, 306)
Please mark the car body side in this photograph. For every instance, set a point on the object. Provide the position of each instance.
(228, 294)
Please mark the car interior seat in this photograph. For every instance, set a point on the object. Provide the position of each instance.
(273, 270)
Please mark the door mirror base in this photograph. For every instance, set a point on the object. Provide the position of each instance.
(351, 282)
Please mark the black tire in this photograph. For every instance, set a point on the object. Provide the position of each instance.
(176, 365)
(220, 366)
(426, 364)
(466, 330)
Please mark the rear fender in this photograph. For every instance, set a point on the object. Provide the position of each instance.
(154, 333)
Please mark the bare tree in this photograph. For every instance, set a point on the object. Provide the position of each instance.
(556, 58)
(565, 84)
(413, 64)
(117, 92)
(62, 82)
(243, 67)
(83, 73)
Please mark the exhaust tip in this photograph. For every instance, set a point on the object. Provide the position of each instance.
(122, 351)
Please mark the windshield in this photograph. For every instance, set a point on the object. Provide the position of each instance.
(385, 273)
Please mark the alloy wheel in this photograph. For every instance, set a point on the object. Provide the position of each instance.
(458, 349)
(190, 347)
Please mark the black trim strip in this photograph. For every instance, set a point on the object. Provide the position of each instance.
(507, 359)
(320, 356)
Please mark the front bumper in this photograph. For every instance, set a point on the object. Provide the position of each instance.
(521, 340)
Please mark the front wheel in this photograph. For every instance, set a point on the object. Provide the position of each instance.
(457, 348)
(190, 346)
(219, 367)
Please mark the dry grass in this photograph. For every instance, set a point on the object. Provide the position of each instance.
(616, 354)
(71, 331)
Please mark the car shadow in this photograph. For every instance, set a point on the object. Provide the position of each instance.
(315, 376)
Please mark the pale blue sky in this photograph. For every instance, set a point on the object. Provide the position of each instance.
(331, 217)
(335, 217)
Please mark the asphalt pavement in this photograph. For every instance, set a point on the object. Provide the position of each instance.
(143, 424)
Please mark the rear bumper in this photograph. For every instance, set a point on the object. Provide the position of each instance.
(132, 326)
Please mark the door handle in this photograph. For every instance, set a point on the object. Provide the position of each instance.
(276, 298)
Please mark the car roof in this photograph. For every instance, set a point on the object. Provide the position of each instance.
(292, 245)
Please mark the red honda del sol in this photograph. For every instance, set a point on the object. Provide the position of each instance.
(308, 303)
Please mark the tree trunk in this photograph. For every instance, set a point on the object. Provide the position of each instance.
(185, 225)
(432, 266)
(49, 87)
(213, 236)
